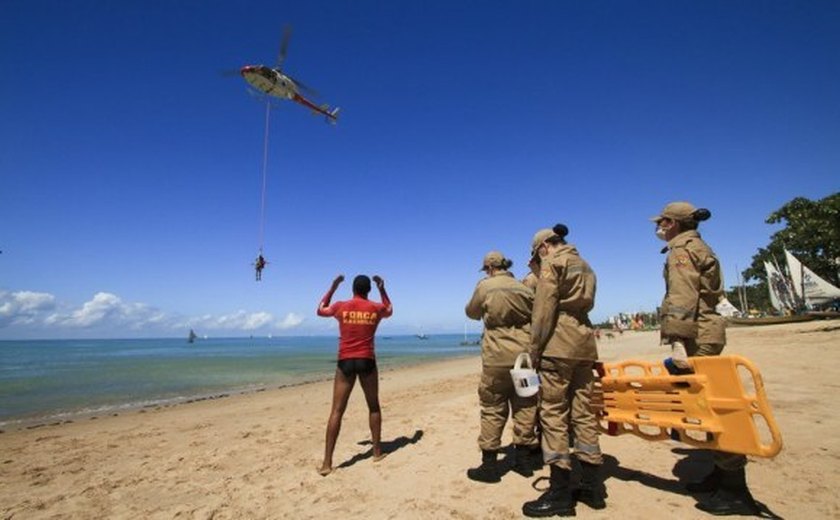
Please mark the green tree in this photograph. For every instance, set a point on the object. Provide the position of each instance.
(811, 233)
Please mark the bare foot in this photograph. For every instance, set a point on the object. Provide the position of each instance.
(377, 458)
(324, 471)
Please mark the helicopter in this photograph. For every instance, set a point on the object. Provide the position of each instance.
(274, 82)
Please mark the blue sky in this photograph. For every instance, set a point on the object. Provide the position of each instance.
(130, 168)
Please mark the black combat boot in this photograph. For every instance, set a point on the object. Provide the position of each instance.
(556, 501)
(489, 471)
(732, 496)
(528, 459)
(591, 491)
(710, 482)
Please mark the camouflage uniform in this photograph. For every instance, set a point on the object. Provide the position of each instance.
(505, 306)
(562, 335)
(693, 287)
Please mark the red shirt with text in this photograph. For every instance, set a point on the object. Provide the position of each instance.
(357, 322)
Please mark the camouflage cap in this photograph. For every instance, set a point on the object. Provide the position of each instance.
(679, 211)
(493, 259)
(540, 237)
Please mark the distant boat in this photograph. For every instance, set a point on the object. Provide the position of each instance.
(422, 336)
(812, 290)
(795, 294)
(771, 320)
(467, 342)
(192, 337)
(799, 289)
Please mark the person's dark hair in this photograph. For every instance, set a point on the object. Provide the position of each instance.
(361, 285)
(698, 216)
(505, 264)
(560, 232)
(701, 214)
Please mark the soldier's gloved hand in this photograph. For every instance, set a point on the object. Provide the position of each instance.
(678, 353)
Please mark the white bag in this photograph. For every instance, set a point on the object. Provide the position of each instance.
(526, 381)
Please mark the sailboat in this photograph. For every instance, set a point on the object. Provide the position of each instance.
(795, 294)
(466, 341)
(192, 337)
(782, 296)
(813, 291)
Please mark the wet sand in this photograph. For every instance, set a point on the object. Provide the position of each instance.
(256, 455)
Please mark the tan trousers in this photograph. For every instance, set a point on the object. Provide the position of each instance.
(724, 460)
(498, 399)
(565, 399)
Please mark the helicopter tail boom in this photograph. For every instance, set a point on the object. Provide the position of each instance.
(330, 114)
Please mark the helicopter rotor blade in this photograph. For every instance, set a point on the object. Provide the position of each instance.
(304, 87)
(284, 44)
(229, 73)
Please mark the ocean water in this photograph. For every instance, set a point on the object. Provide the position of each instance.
(59, 379)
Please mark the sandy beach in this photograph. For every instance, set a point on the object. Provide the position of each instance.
(255, 455)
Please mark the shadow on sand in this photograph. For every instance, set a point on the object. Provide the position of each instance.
(695, 465)
(388, 447)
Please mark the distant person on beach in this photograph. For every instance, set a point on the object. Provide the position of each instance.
(564, 350)
(259, 265)
(358, 319)
(505, 306)
(692, 327)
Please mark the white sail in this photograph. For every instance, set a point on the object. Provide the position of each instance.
(726, 309)
(808, 286)
(780, 296)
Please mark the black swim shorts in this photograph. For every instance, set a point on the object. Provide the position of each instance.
(360, 366)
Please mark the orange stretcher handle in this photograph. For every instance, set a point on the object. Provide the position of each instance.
(708, 408)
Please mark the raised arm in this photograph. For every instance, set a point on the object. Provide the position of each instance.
(386, 302)
(324, 305)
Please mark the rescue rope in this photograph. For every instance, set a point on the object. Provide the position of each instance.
(264, 177)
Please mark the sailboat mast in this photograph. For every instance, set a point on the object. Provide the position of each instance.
(742, 292)
(802, 283)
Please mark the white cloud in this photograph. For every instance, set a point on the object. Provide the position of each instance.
(239, 320)
(103, 305)
(23, 307)
(107, 309)
(108, 312)
(245, 321)
(291, 321)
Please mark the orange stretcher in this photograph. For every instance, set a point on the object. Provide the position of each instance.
(721, 406)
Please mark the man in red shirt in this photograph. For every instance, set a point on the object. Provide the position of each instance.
(357, 322)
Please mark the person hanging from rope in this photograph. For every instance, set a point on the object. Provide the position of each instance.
(259, 265)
